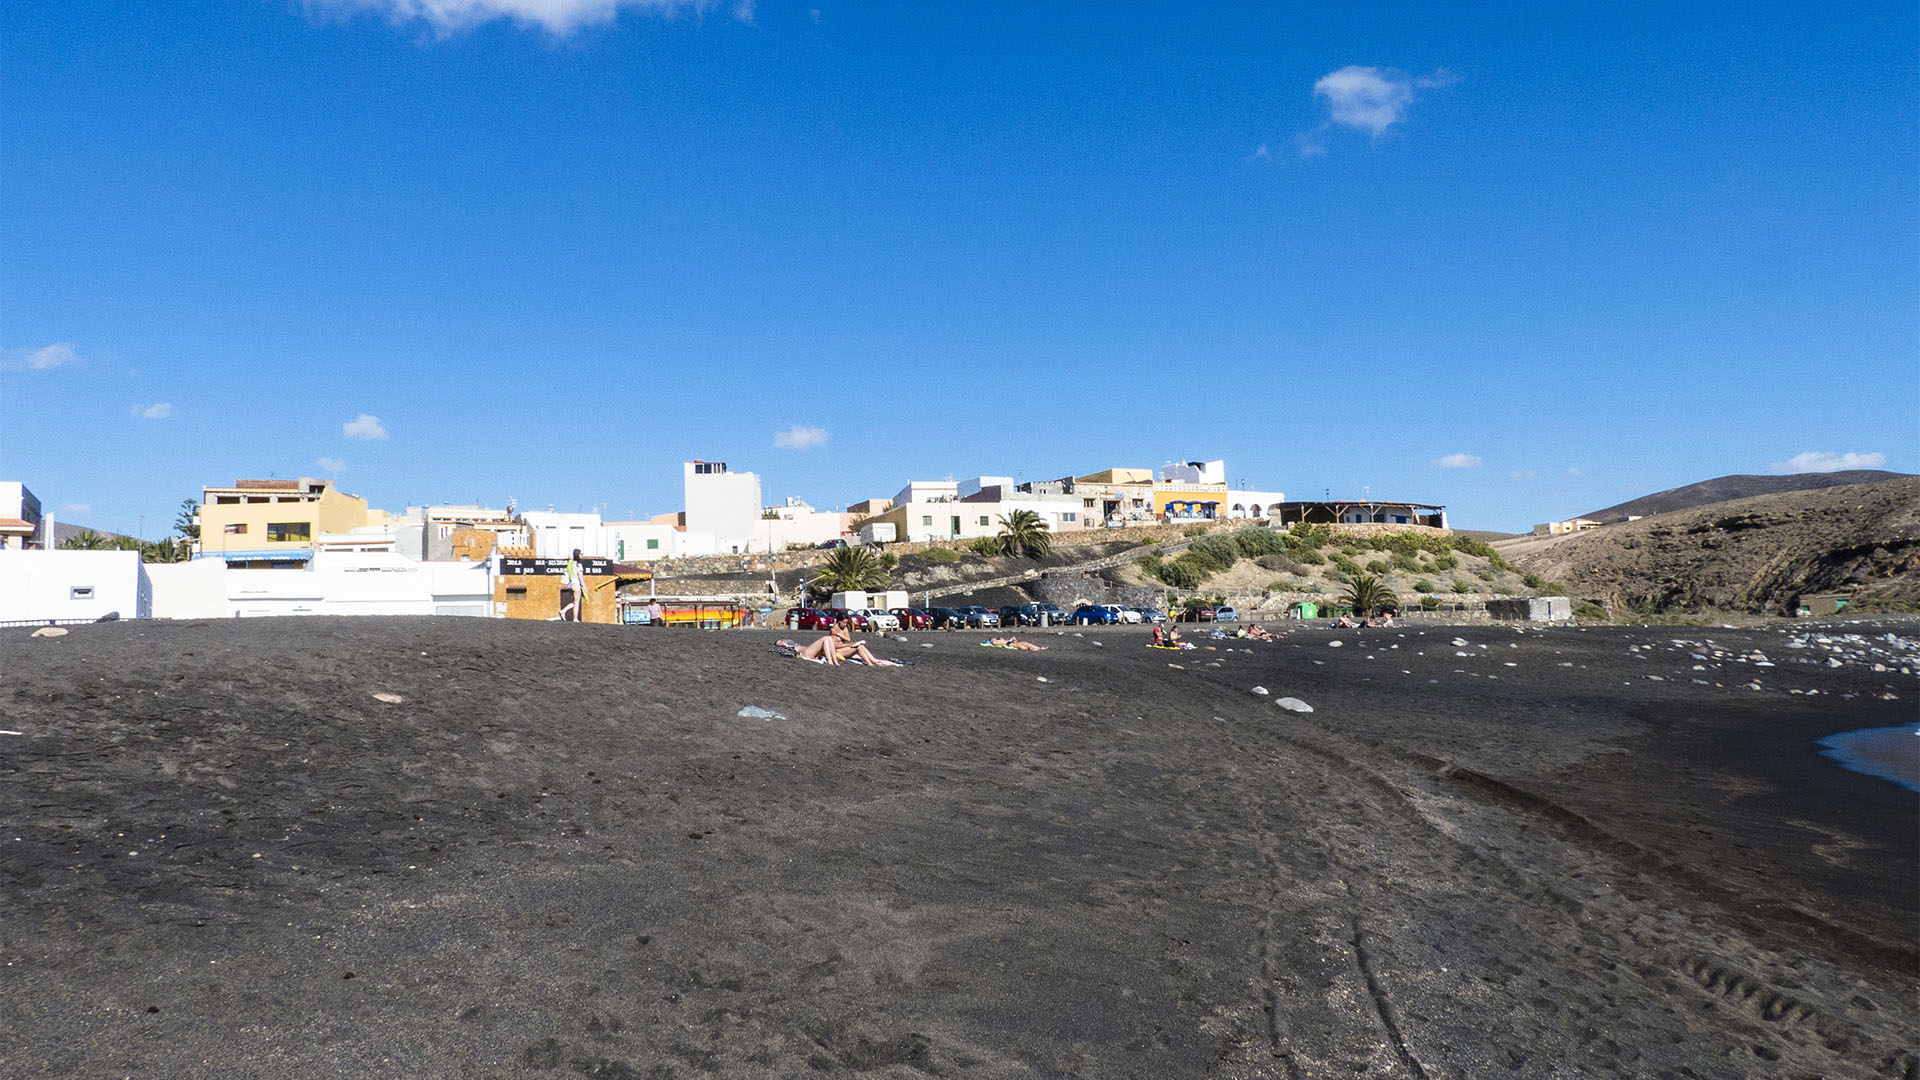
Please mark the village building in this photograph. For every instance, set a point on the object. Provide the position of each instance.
(262, 524)
(1359, 512)
(537, 588)
(20, 524)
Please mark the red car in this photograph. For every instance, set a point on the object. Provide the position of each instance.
(807, 618)
(1197, 614)
(913, 618)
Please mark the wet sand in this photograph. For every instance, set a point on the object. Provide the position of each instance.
(564, 853)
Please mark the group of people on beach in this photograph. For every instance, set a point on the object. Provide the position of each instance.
(836, 647)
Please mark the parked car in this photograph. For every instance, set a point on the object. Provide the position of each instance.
(836, 542)
(913, 618)
(1195, 614)
(807, 618)
(981, 618)
(1010, 616)
(946, 618)
(1225, 614)
(879, 620)
(1121, 614)
(1152, 615)
(1091, 615)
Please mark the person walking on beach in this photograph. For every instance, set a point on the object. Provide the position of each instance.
(573, 588)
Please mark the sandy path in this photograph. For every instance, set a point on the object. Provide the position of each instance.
(564, 853)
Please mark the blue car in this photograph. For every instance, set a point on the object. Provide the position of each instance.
(1089, 615)
(1225, 614)
(1152, 615)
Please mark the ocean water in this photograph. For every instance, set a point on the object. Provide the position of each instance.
(1890, 753)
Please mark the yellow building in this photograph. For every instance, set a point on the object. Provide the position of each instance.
(1174, 501)
(265, 523)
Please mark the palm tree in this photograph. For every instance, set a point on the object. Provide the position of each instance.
(1024, 532)
(848, 570)
(86, 540)
(1368, 594)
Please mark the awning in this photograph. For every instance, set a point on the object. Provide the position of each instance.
(284, 555)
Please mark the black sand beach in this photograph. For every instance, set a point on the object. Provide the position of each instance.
(563, 853)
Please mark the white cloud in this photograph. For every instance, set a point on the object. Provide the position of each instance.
(59, 354)
(1571, 471)
(1368, 99)
(1456, 461)
(364, 427)
(1826, 461)
(558, 17)
(76, 508)
(1260, 153)
(332, 464)
(1517, 474)
(159, 410)
(800, 437)
(45, 358)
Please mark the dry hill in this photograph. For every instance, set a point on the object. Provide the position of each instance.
(1727, 488)
(1756, 554)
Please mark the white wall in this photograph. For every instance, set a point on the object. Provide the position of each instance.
(1194, 472)
(811, 528)
(556, 535)
(1251, 504)
(43, 585)
(334, 583)
(726, 504)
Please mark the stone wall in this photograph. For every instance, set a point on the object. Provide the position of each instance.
(1068, 588)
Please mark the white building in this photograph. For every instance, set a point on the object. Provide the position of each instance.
(20, 524)
(557, 535)
(724, 503)
(1241, 502)
(1194, 472)
(46, 586)
(332, 583)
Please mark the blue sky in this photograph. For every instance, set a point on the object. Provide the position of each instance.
(1525, 263)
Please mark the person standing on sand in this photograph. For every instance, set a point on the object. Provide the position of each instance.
(574, 579)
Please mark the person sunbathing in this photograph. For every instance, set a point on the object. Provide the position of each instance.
(1014, 643)
(837, 645)
(1259, 633)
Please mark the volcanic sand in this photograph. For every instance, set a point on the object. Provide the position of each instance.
(563, 852)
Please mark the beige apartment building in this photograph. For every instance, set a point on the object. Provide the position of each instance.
(273, 523)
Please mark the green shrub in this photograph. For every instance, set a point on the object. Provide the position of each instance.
(1185, 572)
(1379, 567)
(1337, 575)
(1587, 609)
(1310, 536)
(1345, 565)
(1462, 587)
(1482, 573)
(1349, 550)
(1532, 580)
(1423, 585)
(1217, 553)
(1309, 556)
(941, 555)
(1429, 603)
(888, 560)
(986, 545)
(1404, 561)
(1192, 531)
(1280, 563)
(1255, 541)
(1445, 562)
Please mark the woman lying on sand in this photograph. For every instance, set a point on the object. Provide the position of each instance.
(1013, 643)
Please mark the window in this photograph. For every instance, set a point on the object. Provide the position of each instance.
(235, 528)
(227, 500)
(983, 520)
(282, 531)
(1069, 516)
(80, 592)
(653, 545)
(927, 519)
(259, 499)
